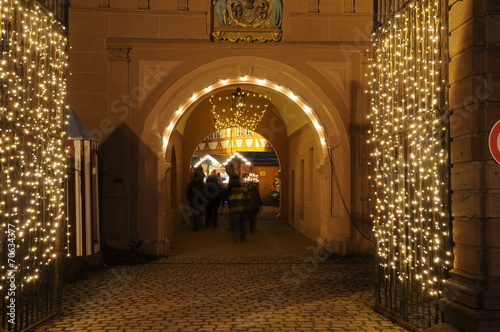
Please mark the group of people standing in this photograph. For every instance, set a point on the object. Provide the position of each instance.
(206, 197)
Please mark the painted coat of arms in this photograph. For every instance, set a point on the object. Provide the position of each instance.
(234, 19)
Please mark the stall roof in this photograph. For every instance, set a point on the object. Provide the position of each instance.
(76, 129)
(261, 158)
(256, 158)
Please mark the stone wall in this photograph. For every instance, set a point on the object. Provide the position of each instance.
(473, 292)
(133, 63)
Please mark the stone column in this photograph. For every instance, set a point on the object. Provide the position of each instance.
(335, 224)
(104, 3)
(151, 196)
(472, 294)
(114, 153)
(143, 4)
(349, 6)
(313, 6)
(163, 242)
(183, 5)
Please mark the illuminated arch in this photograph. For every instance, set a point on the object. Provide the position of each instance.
(248, 80)
(171, 97)
(322, 106)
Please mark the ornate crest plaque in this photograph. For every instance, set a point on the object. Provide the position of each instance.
(249, 13)
(247, 20)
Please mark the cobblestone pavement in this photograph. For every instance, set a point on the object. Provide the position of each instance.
(272, 282)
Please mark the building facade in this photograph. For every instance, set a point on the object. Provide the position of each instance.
(473, 291)
(142, 74)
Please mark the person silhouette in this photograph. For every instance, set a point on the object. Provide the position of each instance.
(195, 195)
(214, 194)
(255, 204)
(238, 201)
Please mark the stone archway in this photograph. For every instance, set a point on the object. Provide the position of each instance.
(324, 114)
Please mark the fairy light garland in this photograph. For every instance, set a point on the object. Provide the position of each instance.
(247, 115)
(33, 69)
(237, 155)
(208, 157)
(409, 152)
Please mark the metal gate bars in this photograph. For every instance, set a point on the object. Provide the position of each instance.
(410, 163)
(33, 67)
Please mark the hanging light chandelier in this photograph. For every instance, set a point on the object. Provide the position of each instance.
(240, 109)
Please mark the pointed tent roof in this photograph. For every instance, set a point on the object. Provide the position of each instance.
(76, 129)
(196, 160)
(256, 158)
(261, 158)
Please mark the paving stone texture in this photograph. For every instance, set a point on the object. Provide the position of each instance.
(272, 282)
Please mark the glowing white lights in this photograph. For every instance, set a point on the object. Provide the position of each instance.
(241, 109)
(209, 158)
(214, 161)
(237, 155)
(252, 177)
(32, 134)
(224, 83)
(409, 148)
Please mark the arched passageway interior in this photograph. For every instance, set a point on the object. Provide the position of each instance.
(241, 152)
(297, 135)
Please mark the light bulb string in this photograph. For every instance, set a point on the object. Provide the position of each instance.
(408, 138)
(247, 115)
(32, 155)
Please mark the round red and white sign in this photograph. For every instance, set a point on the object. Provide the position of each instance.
(494, 141)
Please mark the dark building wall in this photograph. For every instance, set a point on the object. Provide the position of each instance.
(473, 293)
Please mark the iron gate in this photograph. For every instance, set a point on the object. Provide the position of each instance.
(410, 159)
(32, 160)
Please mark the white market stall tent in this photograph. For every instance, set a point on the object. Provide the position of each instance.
(83, 189)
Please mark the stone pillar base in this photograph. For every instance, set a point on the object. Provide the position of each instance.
(473, 291)
(325, 247)
(282, 218)
(471, 320)
(155, 247)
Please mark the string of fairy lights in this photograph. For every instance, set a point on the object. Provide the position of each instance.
(409, 147)
(33, 69)
(243, 109)
(214, 161)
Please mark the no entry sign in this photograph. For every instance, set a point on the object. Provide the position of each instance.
(494, 141)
